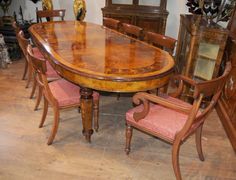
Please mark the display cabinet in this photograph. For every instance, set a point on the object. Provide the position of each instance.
(150, 15)
(200, 47)
(226, 105)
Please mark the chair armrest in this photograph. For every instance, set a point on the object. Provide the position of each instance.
(185, 79)
(146, 98)
(182, 80)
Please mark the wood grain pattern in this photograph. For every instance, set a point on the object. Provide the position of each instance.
(80, 49)
(102, 59)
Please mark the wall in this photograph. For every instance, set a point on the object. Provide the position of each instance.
(94, 13)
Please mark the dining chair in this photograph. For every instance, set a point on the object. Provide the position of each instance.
(17, 30)
(16, 27)
(60, 94)
(50, 14)
(111, 23)
(164, 42)
(171, 119)
(50, 72)
(23, 43)
(132, 30)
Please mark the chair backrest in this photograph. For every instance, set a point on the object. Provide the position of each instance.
(40, 68)
(23, 42)
(16, 28)
(50, 14)
(161, 41)
(211, 88)
(111, 23)
(132, 30)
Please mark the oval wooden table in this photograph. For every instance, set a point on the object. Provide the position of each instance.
(98, 58)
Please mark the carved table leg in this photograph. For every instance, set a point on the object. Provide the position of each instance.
(87, 112)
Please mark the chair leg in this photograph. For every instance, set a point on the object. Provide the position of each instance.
(55, 125)
(39, 97)
(25, 70)
(198, 139)
(34, 87)
(175, 159)
(30, 74)
(96, 114)
(45, 111)
(118, 96)
(129, 132)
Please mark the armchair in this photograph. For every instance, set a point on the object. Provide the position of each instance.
(170, 118)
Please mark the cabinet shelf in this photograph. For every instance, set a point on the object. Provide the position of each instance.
(203, 56)
(200, 47)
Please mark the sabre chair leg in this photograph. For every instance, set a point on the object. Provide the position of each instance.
(39, 97)
(96, 114)
(34, 87)
(25, 70)
(30, 74)
(45, 111)
(55, 125)
(129, 132)
(175, 159)
(198, 139)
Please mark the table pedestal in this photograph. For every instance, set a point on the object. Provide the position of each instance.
(87, 112)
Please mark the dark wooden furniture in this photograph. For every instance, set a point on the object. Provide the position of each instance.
(91, 58)
(226, 106)
(165, 42)
(50, 14)
(23, 43)
(10, 39)
(172, 119)
(199, 50)
(200, 47)
(111, 23)
(151, 16)
(60, 94)
(131, 30)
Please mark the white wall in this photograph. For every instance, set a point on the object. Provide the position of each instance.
(94, 13)
(175, 8)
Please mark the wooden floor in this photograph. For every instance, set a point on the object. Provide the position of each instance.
(24, 153)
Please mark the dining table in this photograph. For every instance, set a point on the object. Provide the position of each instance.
(98, 58)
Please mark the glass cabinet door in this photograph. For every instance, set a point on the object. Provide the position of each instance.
(149, 2)
(129, 2)
(206, 60)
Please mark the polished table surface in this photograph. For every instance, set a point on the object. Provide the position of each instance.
(96, 57)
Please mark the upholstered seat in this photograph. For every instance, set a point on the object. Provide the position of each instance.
(51, 73)
(166, 122)
(60, 94)
(172, 119)
(37, 53)
(67, 93)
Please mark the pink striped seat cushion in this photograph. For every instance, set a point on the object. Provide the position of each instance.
(67, 93)
(51, 73)
(37, 53)
(161, 120)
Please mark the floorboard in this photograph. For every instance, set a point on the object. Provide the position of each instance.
(24, 153)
